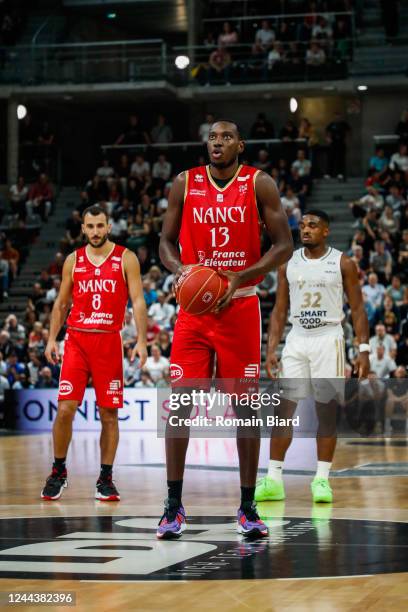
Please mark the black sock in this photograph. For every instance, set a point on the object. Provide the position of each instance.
(175, 488)
(59, 464)
(247, 495)
(106, 470)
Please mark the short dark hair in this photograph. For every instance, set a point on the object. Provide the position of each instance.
(316, 212)
(229, 121)
(95, 210)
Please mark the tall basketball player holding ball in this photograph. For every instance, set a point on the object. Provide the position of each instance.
(214, 218)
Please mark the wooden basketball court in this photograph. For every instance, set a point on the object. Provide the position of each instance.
(352, 555)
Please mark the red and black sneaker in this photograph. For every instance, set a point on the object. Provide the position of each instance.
(54, 484)
(106, 490)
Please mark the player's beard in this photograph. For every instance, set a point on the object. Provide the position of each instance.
(100, 244)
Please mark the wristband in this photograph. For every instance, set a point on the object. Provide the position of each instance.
(364, 348)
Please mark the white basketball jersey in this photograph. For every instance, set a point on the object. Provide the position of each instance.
(315, 292)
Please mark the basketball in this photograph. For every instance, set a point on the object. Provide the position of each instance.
(199, 288)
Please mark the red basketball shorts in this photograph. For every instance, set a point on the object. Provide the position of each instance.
(95, 354)
(230, 341)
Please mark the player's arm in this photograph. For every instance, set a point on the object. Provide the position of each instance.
(276, 222)
(277, 322)
(168, 249)
(131, 268)
(60, 310)
(360, 321)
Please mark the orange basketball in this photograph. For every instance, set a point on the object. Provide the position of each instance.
(199, 288)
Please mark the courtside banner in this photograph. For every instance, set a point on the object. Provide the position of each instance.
(36, 410)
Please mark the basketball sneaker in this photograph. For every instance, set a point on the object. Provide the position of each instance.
(249, 523)
(106, 490)
(268, 489)
(173, 522)
(321, 490)
(54, 485)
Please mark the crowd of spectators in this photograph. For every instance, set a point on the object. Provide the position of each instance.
(318, 35)
(379, 248)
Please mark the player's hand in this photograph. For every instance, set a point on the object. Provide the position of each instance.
(140, 350)
(179, 273)
(272, 364)
(234, 281)
(362, 365)
(52, 353)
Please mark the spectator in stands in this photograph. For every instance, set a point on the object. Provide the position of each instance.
(219, 66)
(307, 131)
(150, 294)
(374, 290)
(33, 366)
(162, 311)
(46, 380)
(12, 256)
(204, 129)
(399, 161)
(6, 346)
(378, 162)
(373, 200)
(106, 172)
(381, 262)
(133, 133)
(264, 39)
(262, 128)
(396, 290)
(138, 232)
(380, 363)
(403, 251)
(300, 186)
(315, 55)
(146, 259)
(389, 315)
(161, 133)
(40, 198)
(14, 329)
(288, 132)
(140, 171)
(52, 293)
(322, 30)
(131, 369)
(73, 233)
(397, 398)
(275, 55)
(389, 221)
(305, 31)
(161, 171)
(153, 331)
(395, 199)
(156, 364)
(129, 332)
(164, 343)
(119, 228)
(302, 165)
(291, 201)
(97, 190)
(342, 36)
(55, 268)
(402, 127)
(18, 196)
(337, 132)
(381, 338)
(228, 36)
(145, 380)
(263, 162)
(14, 368)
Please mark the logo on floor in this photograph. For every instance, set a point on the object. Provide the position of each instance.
(125, 548)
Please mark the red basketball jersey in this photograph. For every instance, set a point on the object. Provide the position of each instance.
(100, 293)
(221, 227)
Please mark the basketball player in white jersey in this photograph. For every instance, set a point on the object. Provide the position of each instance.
(312, 284)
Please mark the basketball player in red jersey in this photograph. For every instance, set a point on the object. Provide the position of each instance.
(215, 213)
(99, 279)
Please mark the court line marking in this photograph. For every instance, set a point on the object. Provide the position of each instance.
(331, 577)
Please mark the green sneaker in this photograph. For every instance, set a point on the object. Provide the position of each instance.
(268, 489)
(321, 490)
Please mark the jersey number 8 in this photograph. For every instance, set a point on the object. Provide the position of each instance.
(96, 301)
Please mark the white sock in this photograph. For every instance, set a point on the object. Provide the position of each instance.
(323, 469)
(275, 470)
